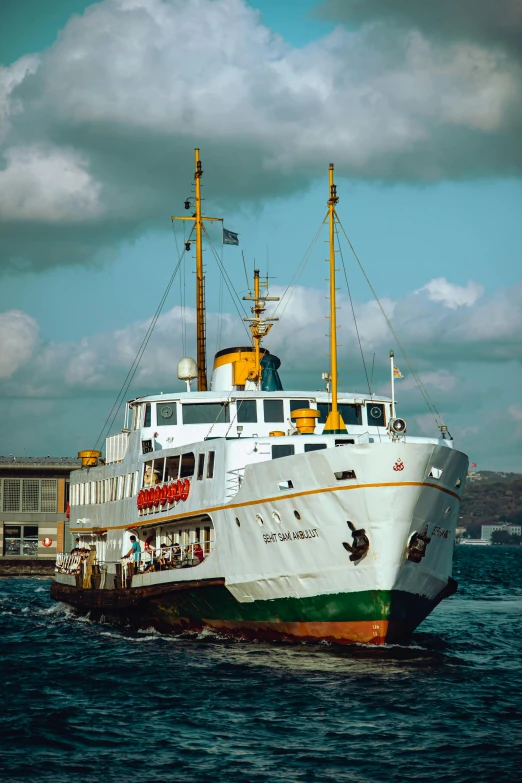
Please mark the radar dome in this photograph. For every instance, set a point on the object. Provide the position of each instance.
(187, 369)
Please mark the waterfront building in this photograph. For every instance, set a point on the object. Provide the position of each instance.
(488, 530)
(34, 493)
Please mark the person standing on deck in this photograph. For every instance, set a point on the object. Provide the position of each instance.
(135, 552)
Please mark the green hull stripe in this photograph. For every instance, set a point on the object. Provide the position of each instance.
(217, 603)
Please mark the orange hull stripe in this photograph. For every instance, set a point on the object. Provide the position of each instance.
(158, 520)
(356, 632)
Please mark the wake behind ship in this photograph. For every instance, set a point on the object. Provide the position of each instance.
(263, 512)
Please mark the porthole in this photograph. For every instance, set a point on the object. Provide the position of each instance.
(447, 511)
(458, 482)
(259, 520)
(238, 523)
(297, 515)
(276, 517)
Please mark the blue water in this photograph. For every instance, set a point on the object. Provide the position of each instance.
(87, 702)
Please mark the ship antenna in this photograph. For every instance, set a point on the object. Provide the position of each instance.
(334, 423)
(201, 336)
(259, 325)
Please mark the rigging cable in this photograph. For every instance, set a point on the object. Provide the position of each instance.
(229, 287)
(297, 274)
(353, 313)
(137, 359)
(436, 415)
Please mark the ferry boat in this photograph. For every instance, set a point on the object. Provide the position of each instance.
(261, 512)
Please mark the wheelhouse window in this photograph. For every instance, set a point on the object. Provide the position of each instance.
(147, 416)
(246, 411)
(314, 446)
(282, 450)
(273, 411)
(201, 466)
(187, 465)
(210, 464)
(166, 414)
(172, 468)
(206, 413)
(375, 414)
(350, 412)
(21, 540)
(296, 405)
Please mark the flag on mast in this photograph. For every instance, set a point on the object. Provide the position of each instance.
(397, 373)
(230, 237)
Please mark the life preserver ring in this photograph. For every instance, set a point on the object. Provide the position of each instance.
(178, 485)
(150, 497)
(68, 511)
(185, 489)
(156, 496)
(47, 541)
(163, 494)
(147, 543)
(140, 500)
(171, 492)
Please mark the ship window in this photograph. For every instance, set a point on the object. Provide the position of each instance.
(206, 413)
(273, 410)
(314, 446)
(172, 468)
(146, 418)
(283, 450)
(246, 411)
(345, 442)
(375, 415)
(350, 412)
(201, 466)
(21, 540)
(344, 475)
(187, 465)
(166, 413)
(296, 405)
(210, 464)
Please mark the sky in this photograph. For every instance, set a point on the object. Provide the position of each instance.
(418, 105)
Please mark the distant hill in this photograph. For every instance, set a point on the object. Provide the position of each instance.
(492, 475)
(493, 497)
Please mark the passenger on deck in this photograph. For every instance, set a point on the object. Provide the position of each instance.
(189, 558)
(176, 555)
(151, 478)
(135, 553)
(199, 552)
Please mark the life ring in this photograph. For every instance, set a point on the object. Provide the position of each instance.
(156, 496)
(150, 497)
(148, 542)
(185, 489)
(163, 494)
(171, 492)
(141, 499)
(68, 511)
(178, 484)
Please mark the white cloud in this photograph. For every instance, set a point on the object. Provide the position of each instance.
(18, 338)
(117, 103)
(49, 185)
(452, 295)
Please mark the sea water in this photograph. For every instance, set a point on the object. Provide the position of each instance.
(88, 702)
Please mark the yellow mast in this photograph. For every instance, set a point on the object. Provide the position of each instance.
(258, 325)
(201, 337)
(334, 423)
(201, 358)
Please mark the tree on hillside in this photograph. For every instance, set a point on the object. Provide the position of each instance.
(500, 537)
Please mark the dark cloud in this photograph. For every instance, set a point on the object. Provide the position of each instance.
(98, 131)
(495, 22)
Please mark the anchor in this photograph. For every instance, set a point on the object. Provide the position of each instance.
(361, 543)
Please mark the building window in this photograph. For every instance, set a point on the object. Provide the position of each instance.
(284, 450)
(273, 410)
(246, 411)
(29, 495)
(166, 413)
(21, 540)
